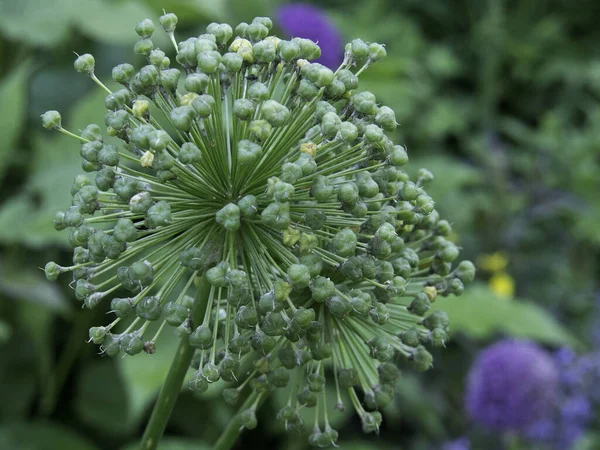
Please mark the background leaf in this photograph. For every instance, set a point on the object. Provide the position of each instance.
(41, 436)
(480, 313)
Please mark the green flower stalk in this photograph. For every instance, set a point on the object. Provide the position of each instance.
(256, 204)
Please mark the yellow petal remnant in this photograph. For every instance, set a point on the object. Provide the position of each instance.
(309, 148)
(503, 285)
(147, 159)
(495, 262)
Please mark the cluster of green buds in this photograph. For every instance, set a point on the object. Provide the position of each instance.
(261, 190)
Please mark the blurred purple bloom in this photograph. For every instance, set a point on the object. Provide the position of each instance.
(307, 21)
(458, 444)
(511, 385)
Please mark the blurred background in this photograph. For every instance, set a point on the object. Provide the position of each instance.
(500, 99)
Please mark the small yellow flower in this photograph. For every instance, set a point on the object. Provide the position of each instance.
(502, 284)
(496, 262)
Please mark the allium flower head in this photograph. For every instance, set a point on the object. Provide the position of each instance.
(307, 21)
(511, 385)
(255, 203)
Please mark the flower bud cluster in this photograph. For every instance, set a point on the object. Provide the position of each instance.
(271, 181)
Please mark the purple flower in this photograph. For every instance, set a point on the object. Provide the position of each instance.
(307, 21)
(458, 444)
(511, 385)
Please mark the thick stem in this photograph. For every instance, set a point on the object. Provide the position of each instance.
(172, 386)
(230, 435)
(233, 430)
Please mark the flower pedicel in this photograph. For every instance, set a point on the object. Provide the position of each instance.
(252, 200)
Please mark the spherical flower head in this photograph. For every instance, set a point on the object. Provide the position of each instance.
(259, 209)
(307, 21)
(511, 385)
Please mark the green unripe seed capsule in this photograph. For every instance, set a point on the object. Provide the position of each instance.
(51, 120)
(168, 22)
(85, 64)
(201, 337)
(229, 217)
(299, 276)
(145, 28)
(52, 271)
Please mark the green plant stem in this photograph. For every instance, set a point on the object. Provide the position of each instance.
(233, 430)
(172, 386)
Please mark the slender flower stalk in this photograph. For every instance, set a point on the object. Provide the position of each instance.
(271, 181)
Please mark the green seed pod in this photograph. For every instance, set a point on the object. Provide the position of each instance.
(277, 215)
(243, 108)
(140, 203)
(261, 129)
(282, 191)
(248, 152)
(299, 276)
(330, 124)
(51, 120)
(208, 61)
(307, 90)
(376, 52)
(288, 50)
(322, 188)
(373, 134)
(198, 384)
(421, 359)
(111, 345)
(348, 132)
(349, 79)
(275, 113)
(248, 417)
(192, 258)
(222, 32)
(231, 396)
(465, 272)
(348, 378)
(168, 22)
(217, 276)
(52, 271)
(170, 78)
(344, 242)
(175, 314)
(196, 82)
(145, 28)
(97, 334)
(204, 105)
(320, 75)
(85, 64)
(189, 153)
(211, 373)
(380, 314)
(132, 344)
(257, 31)
(182, 117)
(143, 47)
(364, 102)
(279, 377)
(233, 62)
(202, 338)
(419, 305)
(348, 193)
(123, 73)
(322, 289)
(264, 51)
(438, 337)
(229, 217)
(159, 215)
(262, 343)
(339, 306)
(308, 49)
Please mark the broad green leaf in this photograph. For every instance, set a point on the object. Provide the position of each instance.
(143, 375)
(101, 400)
(112, 22)
(41, 436)
(5, 331)
(12, 110)
(480, 313)
(192, 11)
(171, 443)
(27, 217)
(17, 377)
(36, 22)
(32, 287)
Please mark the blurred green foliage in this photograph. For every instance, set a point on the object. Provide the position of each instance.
(499, 99)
